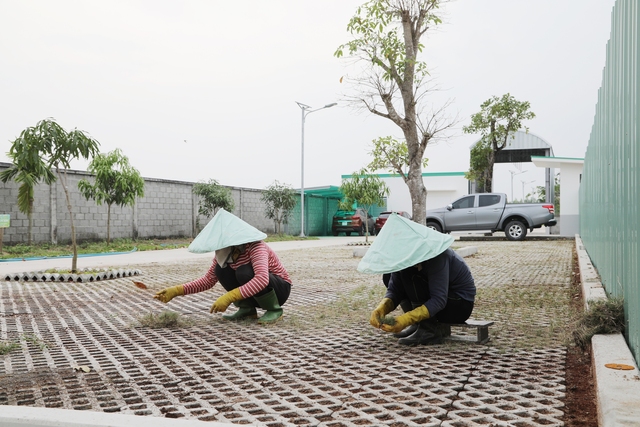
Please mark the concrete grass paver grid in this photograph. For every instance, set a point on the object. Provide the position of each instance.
(322, 365)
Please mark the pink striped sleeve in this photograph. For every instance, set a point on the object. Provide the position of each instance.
(204, 283)
(260, 262)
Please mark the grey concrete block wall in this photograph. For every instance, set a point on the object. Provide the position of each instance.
(16, 233)
(168, 209)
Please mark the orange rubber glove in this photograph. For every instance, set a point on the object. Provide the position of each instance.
(409, 318)
(386, 306)
(168, 294)
(225, 301)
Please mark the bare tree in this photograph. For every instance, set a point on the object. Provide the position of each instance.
(394, 83)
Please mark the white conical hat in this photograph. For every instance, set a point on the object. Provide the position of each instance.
(224, 230)
(402, 243)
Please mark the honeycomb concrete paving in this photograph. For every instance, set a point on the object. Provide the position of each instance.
(321, 365)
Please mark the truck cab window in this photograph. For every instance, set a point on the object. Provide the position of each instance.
(464, 203)
(488, 200)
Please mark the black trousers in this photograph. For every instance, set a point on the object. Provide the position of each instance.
(231, 279)
(457, 310)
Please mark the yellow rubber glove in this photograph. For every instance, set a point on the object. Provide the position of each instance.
(168, 294)
(409, 318)
(225, 301)
(386, 306)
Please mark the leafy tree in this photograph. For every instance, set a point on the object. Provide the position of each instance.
(117, 182)
(394, 82)
(497, 121)
(479, 166)
(279, 200)
(27, 170)
(390, 154)
(43, 148)
(365, 190)
(213, 196)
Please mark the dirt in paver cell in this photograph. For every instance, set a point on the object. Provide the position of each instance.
(321, 365)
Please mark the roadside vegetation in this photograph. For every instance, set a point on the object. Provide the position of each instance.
(117, 245)
(602, 317)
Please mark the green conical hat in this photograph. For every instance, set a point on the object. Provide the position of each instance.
(224, 230)
(402, 243)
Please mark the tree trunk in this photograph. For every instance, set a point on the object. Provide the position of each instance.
(30, 223)
(108, 224)
(414, 179)
(366, 230)
(418, 194)
(488, 186)
(63, 181)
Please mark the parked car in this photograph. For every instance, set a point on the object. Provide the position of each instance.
(352, 222)
(490, 211)
(382, 218)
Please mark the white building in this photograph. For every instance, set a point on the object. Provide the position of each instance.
(570, 177)
(442, 189)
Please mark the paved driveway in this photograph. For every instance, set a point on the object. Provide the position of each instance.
(322, 365)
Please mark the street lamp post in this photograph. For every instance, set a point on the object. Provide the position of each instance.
(523, 184)
(306, 110)
(513, 173)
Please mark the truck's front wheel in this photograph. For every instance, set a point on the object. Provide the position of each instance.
(515, 230)
(435, 226)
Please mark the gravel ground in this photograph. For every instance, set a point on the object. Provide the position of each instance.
(321, 365)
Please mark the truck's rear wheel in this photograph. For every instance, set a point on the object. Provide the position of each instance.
(434, 226)
(515, 230)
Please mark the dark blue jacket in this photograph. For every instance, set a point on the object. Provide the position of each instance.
(445, 276)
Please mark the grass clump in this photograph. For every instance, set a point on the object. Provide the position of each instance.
(602, 317)
(165, 319)
(388, 320)
(7, 347)
(34, 340)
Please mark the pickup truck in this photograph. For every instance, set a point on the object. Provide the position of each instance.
(490, 211)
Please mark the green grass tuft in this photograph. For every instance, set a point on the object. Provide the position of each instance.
(388, 320)
(602, 317)
(116, 245)
(165, 319)
(8, 346)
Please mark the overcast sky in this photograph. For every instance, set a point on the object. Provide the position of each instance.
(197, 89)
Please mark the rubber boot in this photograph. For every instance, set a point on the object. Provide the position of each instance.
(428, 333)
(245, 311)
(269, 302)
(406, 306)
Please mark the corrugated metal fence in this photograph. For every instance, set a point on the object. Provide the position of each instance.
(610, 188)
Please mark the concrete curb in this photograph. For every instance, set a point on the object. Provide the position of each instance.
(22, 416)
(617, 391)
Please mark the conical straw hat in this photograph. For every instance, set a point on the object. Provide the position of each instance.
(402, 243)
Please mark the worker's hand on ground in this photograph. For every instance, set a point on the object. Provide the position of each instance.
(385, 307)
(168, 294)
(409, 318)
(225, 300)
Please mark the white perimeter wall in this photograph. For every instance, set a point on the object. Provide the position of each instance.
(442, 189)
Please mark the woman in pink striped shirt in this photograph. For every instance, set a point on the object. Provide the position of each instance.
(246, 267)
